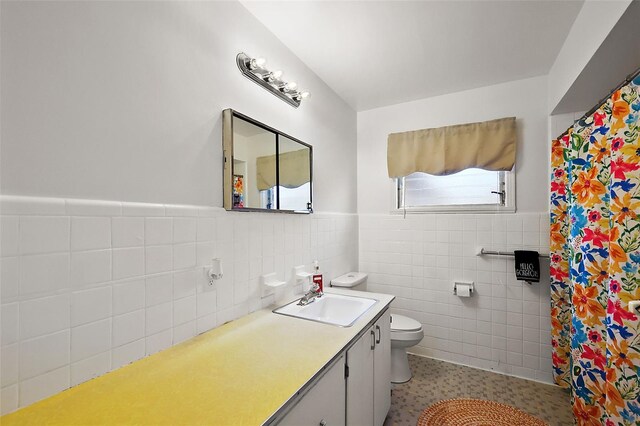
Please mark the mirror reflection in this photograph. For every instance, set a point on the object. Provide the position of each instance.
(264, 169)
(251, 146)
(295, 174)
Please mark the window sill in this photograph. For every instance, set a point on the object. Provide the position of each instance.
(462, 209)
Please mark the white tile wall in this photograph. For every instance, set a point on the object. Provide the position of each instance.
(89, 286)
(43, 315)
(97, 285)
(127, 231)
(90, 339)
(39, 274)
(127, 262)
(158, 230)
(43, 234)
(90, 305)
(125, 354)
(129, 296)
(44, 353)
(89, 233)
(128, 327)
(505, 326)
(90, 267)
(158, 289)
(39, 387)
(89, 368)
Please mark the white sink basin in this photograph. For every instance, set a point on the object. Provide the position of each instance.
(335, 309)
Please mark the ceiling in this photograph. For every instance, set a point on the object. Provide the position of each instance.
(377, 53)
(617, 56)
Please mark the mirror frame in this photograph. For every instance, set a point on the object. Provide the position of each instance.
(227, 154)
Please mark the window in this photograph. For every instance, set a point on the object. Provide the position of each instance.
(469, 190)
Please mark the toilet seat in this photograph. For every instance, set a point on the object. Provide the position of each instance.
(405, 329)
(402, 323)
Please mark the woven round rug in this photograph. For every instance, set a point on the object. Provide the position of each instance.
(475, 412)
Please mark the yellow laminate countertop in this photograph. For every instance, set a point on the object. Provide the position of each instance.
(239, 373)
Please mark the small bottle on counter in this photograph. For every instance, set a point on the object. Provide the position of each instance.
(317, 277)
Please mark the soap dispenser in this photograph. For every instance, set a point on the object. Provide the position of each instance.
(317, 277)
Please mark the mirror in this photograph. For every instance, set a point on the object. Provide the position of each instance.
(252, 149)
(264, 169)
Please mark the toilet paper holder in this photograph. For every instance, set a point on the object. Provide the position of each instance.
(463, 289)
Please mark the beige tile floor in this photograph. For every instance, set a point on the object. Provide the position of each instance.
(437, 380)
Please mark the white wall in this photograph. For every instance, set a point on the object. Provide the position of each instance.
(122, 101)
(506, 325)
(592, 25)
(524, 99)
(89, 88)
(559, 123)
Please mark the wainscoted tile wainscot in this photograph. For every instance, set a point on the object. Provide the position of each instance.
(89, 286)
(505, 326)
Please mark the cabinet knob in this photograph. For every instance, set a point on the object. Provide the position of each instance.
(322, 423)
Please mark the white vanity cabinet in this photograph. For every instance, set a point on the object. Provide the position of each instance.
(382, 369)
(356, 389)
(369, 375)
(323, 404)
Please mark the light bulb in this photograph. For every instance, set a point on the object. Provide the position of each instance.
(291, 85)
(257, 63)
(300, 95)
(273, 76)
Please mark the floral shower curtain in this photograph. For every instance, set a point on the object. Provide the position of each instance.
(595, 257)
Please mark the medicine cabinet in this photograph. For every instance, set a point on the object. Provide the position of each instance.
(264, 169)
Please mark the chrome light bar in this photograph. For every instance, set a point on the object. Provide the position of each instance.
(254, 69)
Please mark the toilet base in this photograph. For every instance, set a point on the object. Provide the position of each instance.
(400, 371)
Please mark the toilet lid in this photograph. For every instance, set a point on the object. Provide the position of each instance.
(402, 323)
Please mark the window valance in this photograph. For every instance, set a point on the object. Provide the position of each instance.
(488, 145)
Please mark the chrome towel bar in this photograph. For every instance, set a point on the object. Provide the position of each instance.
(483, 252)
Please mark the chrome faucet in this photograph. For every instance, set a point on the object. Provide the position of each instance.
(313, 293)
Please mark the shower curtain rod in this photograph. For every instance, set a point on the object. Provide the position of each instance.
(629, 78)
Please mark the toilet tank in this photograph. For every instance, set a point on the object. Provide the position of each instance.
(351, 280)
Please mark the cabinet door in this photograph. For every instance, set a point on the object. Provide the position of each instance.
(382, 369)
(323, 404)
(360, 380)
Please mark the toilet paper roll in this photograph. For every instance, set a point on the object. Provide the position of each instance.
(464, 289)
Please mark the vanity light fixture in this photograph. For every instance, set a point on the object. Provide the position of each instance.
(255, 70)
(274, 76)
(257, 63)
(291, 86)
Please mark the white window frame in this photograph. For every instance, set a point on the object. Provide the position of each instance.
(508, 207)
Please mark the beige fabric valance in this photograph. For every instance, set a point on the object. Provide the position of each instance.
(489, 145)
(294, 170)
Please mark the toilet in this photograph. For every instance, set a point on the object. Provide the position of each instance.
(405, 332)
